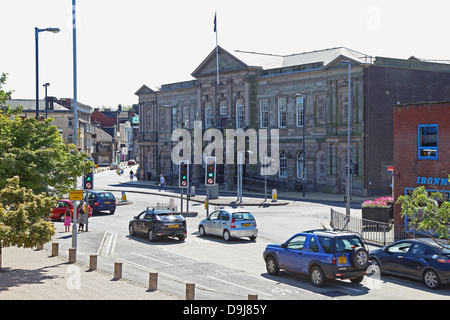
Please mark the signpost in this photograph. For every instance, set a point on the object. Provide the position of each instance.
(74, 196)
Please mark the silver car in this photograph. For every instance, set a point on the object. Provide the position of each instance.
(229, 224)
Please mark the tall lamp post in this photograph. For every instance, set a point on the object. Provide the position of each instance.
(36, 36)
(347, 204)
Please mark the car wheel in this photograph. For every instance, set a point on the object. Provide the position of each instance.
(317, 276)
(252, 238)
(181, 237)
(374, 266)
(431, 279)
(226, 235)
(151, 235)
(201, 231)
(112, 211)
(360, 258)
(271, 266)
(131, 230)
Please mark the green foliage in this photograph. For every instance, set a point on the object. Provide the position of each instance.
(23, 216)
(34, 151)
(427, 213)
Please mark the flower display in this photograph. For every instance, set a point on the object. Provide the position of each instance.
(382, 202)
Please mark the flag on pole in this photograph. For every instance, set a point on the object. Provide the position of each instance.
(215, 22)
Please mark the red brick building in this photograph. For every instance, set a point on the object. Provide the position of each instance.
(421, 149)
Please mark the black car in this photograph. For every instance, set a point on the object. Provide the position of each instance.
(158, 223)
(413, 259)
(101, 201)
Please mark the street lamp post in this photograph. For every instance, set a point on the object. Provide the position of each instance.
(36, 36)
(347, 204)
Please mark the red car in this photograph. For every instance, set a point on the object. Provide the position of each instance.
(61, 207)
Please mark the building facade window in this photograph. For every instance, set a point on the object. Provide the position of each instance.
(300, 162)
(208, 115)
(428, 141)
(300, 107)
(283, 170)
(282, 113)
(223, 108)
(174, 119)
(186, 117)
(264, 113)
(240, 114)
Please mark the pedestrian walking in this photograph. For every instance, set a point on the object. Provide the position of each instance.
(67, 220)
(131, 175)
(82, 216)
(162, 181)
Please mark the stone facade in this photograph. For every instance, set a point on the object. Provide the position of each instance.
(268, 91)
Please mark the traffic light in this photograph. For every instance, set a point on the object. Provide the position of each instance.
(88, 180)
(356, 171)
(183, 172)
(210, 179)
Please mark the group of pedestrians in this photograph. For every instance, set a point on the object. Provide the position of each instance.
(82, 217)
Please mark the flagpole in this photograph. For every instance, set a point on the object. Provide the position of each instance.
(217, 46)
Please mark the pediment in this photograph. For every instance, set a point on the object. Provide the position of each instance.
(227, 62)
(336, 63)
(143, 90)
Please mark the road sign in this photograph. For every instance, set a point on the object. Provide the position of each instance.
(390, 170)
(76, 195)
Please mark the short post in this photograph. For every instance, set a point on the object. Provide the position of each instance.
(39, 246)
(55, 249)
(190, 291)
(72, 255)
(117, 270)
(153, 281)
(93, 262)
(252, 297)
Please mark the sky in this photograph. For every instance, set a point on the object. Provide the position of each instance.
(122, 45)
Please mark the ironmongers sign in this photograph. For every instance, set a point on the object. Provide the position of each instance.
(433, 180)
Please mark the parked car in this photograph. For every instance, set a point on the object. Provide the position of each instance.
(321, 254)
(229, 224)
(101, 201)
(158, 223)
(414, 259)
(113, 166)
(62, 206)
(131, 162)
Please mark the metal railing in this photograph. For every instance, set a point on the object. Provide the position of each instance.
(373, 232)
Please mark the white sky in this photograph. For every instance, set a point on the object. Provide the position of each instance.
(122, 45)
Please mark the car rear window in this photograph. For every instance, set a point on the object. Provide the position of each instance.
(347, 244)
(169, 217)
(242, 216)
(105, 195)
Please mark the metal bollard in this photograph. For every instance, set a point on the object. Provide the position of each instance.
(190, 291)
(252, 297)
(55, 249)
(72, 255)
(153, 281)
(93, 262)
(117, 270)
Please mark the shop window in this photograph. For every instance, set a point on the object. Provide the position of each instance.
(428, 141)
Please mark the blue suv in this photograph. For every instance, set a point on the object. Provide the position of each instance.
(321, 254)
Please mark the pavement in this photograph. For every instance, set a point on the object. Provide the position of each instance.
(32, 274)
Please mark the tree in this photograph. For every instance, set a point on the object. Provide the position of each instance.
(23, 216)
(428, 213)
(34, 151)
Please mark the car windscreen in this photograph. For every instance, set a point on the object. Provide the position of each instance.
(242, 216)
(347, 244)
(169, 217)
